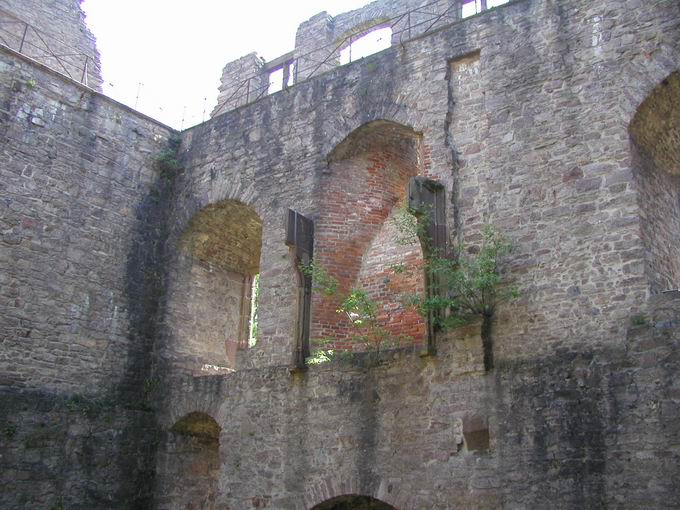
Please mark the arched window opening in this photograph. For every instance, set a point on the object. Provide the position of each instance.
(353, 503)
(365, 45)
(189, 463)
(214, 294)
(357, 243)
(655, 150)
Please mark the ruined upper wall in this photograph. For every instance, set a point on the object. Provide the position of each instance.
(320, 40)
(57, 27)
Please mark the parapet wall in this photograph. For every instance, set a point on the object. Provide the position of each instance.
(320, 40)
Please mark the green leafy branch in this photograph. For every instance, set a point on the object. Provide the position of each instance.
(322, 281)
(468, 286)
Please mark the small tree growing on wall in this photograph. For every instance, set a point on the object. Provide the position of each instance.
(467, 286)
(356, 307)
(464, 286)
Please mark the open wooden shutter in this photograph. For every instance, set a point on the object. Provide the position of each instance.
(428, 199)
(300, 237)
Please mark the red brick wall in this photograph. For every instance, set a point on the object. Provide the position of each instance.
(387, 285)
(356, 243)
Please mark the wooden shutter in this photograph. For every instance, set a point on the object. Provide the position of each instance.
(300, 237)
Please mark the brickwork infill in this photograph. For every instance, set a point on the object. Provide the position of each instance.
(392, 272)
(358, 194)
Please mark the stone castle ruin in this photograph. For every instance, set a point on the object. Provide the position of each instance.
(135, 262)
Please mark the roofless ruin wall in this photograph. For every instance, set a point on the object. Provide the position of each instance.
(117, 262)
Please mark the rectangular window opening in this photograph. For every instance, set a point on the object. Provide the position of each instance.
(275, 81)
(472, 7)
(254, 301)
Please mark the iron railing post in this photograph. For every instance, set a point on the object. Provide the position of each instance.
(83, 78)
(248, 91)
(23, 38)
(350, 48)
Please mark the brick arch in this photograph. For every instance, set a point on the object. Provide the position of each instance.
(366, 179)
(387, 111)
(393, 135)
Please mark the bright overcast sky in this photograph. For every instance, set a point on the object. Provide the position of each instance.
(177, 49)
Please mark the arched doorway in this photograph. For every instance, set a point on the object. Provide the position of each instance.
(352, 502)
(189, 463)
(655, 148)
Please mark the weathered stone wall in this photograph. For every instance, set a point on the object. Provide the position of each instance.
(204, 317)
(190, 454)
(75, 184)
(80, 231)
(61, 26)
(659, 195)
(534, 140)
(234, 91)
(524, 118)
(320, 40)
(523, 113)
(323, 37)
(583, 428)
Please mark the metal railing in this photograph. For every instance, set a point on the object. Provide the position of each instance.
(24, 38)
(405, 27)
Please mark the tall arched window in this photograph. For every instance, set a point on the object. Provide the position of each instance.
(357, 239)
(212, 299)
(655, 140)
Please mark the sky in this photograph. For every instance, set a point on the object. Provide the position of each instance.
(176, 49)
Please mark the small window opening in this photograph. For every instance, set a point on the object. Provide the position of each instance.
(275, 81)
(476, 434)
(366, 45)
(281, 78)
(254, 299)
(291, 74)
(472, 7)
